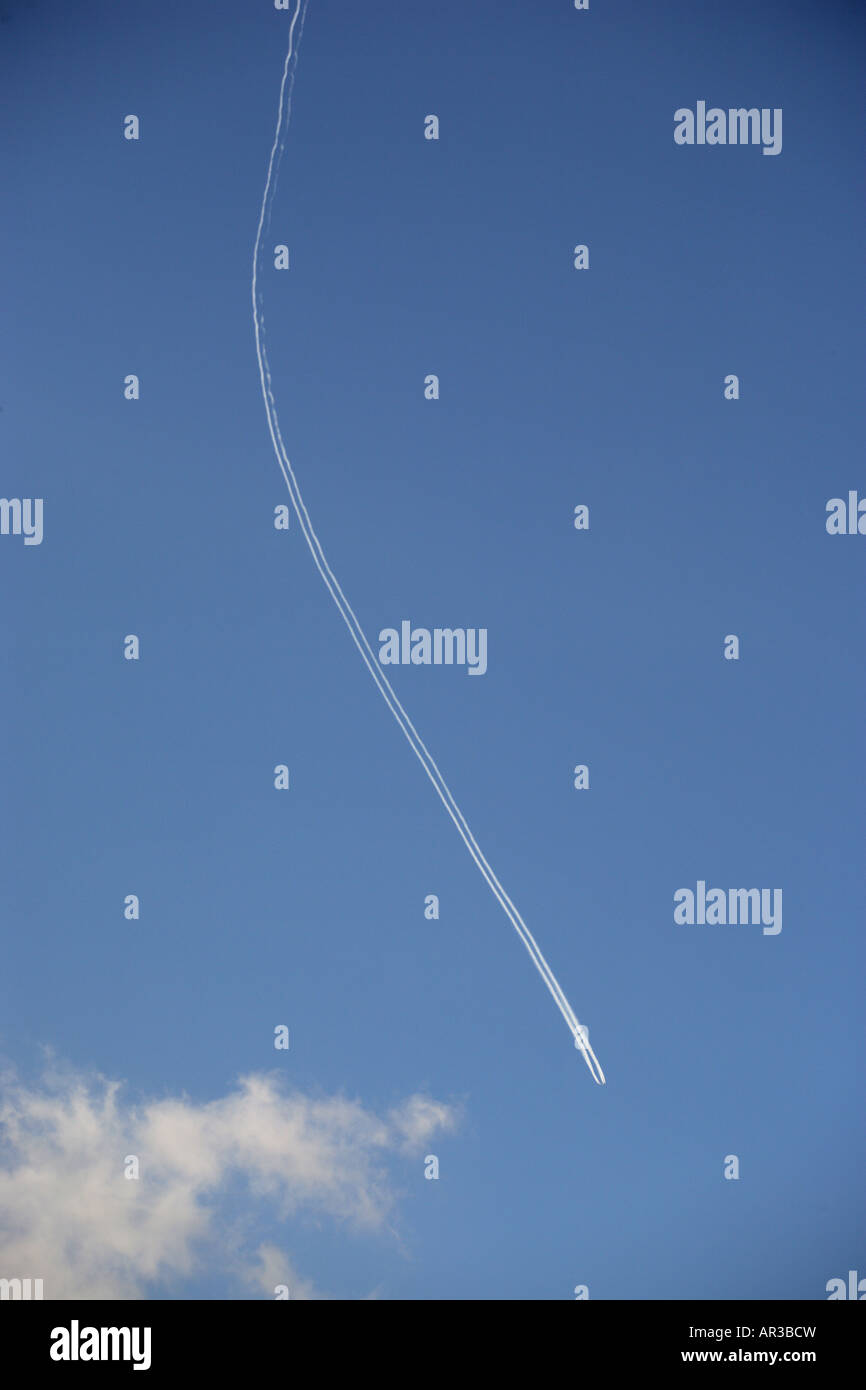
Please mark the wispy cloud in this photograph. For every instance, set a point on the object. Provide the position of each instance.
(207, 1172)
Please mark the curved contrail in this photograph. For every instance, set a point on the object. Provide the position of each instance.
(412, 736)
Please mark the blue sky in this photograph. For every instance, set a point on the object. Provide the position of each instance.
(558, 387)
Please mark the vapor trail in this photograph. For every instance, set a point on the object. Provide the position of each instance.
(411, 734)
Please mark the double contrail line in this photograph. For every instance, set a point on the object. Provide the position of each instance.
(581, 1039)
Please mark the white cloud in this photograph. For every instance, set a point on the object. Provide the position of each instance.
(70, 1217)
(418, 1119)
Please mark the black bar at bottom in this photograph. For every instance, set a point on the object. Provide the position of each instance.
(413, 1339)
